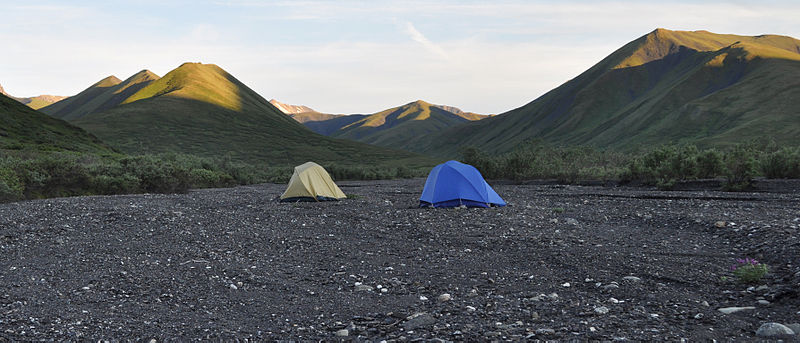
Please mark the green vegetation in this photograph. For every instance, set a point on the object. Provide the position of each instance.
(22, 128)
(662, 167)
(677, 87)
(538, 160)
(749, 270)
(31, 174)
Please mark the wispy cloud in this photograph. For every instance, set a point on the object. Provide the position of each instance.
(420, 38)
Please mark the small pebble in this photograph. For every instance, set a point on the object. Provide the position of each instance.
(601, 309)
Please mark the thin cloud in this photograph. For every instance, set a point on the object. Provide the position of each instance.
(420, 38)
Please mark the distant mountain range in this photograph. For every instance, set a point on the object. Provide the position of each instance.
(665, 87)
(35, 102)
(203, 110)
(396, 127)
(23, 128)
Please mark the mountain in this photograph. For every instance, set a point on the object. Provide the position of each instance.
(664, 87)
(35, 102)
(103, 95)
(397, 127)
(22, 127)
(201, 109)
(290, 109)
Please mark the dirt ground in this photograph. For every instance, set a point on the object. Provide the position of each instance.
(558, 263)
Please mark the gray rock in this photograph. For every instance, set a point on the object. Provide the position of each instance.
(343, 332)
(773, 330)
(729, 310)
(601, 309)
(545, 331)
(698, 316)
(418, 320)
(363, 288)
(610, 286)
(705, 303)
(571, 221)
(445, 297)
(632, 278)
(795, 327)
(762, 288)
(763, 302)
(471, 309)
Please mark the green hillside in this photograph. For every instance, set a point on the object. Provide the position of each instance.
(665, 87)
(200, 109)
(104, 94)
(37, 102)
(23, 128)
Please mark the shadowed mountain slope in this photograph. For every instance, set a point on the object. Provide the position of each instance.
(326, 124)
(22, 127)
(201, 109)
(665, 87)
(104, 94)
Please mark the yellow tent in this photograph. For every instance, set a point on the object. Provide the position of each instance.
(310, 182)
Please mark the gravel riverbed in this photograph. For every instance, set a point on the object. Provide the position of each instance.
(559, 263)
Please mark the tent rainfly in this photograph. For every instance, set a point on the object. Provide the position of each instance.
(453, 184)
(310, 182)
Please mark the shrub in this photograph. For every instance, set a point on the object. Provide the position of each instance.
(710, 164)
(10, 185)
(740, 167)
(748, 270)
(114, 184)
(783, 163)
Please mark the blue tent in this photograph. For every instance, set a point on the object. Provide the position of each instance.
(453, 184)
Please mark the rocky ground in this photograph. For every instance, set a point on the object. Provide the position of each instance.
(559, 263)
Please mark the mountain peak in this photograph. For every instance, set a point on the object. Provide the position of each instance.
(290, 109)
(662, 42)
(145, 73)
(3, 91)
(202, 82)
(420, 103)
(108, 82)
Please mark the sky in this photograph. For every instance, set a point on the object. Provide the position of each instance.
(353, 56)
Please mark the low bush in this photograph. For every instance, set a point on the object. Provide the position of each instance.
(749, 270)
(783, 163)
